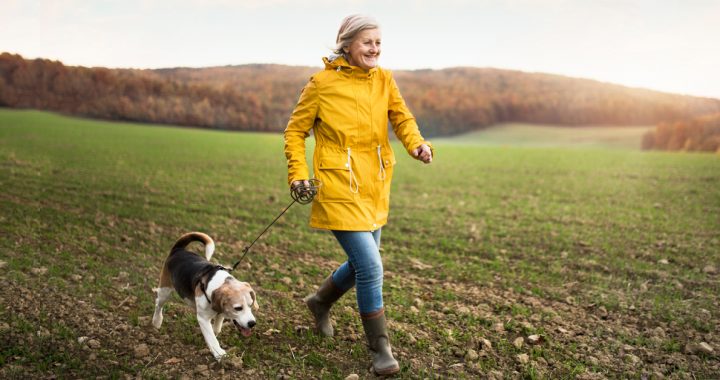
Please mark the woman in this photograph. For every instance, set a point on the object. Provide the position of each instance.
(348, 106)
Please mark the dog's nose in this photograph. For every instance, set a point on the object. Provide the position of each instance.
(251, 324)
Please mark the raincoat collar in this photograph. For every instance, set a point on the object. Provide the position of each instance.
(339, 63)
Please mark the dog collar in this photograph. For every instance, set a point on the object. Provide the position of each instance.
(208, 273)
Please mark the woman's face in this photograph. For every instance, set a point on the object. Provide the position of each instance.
(364, 51)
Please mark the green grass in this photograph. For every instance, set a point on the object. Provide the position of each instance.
(535, 239)
(533, 135)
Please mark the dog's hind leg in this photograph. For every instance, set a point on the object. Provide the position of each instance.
(217, 324)
(163, 294)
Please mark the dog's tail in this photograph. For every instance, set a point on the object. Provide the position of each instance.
(196, 236)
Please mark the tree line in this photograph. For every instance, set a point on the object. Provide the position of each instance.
(118, 94)
(697, 134)
(261, 97)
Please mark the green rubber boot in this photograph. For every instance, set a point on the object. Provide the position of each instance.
(379, 343)
(320, 303)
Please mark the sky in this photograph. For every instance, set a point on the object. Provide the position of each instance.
(666, 45)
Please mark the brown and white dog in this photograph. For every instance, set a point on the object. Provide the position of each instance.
(209, 289)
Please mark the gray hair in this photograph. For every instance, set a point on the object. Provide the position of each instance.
(350, 27)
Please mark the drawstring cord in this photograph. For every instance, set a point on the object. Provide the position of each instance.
(381, 173)
(352, 175)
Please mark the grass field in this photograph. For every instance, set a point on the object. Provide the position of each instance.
(610, 256)
(530, 135)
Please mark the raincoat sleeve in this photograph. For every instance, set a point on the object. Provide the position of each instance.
(298, 129)
(403, 122)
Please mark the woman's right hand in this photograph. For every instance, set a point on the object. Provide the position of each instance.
(302, 183)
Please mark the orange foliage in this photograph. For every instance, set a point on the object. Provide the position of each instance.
(261, 97)
(698, 134)
(135, 95)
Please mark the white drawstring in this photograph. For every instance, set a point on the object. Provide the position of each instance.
(381, 173)
(352, 176)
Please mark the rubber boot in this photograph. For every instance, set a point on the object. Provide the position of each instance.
(320, 303)
(379, 344)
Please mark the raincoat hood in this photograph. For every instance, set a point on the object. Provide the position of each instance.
(339, 63)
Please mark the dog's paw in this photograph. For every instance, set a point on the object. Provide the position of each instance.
(157, 321)
(220, 355)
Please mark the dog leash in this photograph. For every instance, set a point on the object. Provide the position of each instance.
(301, 194)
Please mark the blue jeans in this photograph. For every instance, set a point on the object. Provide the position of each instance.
(363, 268)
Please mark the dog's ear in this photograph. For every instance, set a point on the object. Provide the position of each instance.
(254, 298)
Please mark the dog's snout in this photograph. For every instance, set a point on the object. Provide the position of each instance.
(251, 324)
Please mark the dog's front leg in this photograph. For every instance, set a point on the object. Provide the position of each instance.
(207, 330)
(217, 324)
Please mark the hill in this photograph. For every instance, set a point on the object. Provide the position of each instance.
(535, 135)
(261, 97)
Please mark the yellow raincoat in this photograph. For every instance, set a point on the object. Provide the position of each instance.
(348, 109)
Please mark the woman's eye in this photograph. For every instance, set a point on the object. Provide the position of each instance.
(239, 308)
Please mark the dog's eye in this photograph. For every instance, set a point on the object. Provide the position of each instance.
(238, 308)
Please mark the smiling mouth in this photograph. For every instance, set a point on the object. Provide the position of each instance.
(243, 330)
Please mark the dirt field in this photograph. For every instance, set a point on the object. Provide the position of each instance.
(499, 262)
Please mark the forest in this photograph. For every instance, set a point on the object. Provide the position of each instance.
(260, 97)
(697, 134)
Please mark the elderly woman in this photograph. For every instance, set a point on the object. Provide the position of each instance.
(348, 105)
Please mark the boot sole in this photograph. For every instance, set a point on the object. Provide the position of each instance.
(387, 371)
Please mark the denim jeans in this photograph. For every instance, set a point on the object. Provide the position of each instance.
(363, 268)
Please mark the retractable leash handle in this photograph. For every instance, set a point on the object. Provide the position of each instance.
(302, 194)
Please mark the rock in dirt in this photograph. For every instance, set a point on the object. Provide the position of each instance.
(518, 342)
(411, 338)
(2, 264)
(485, 344)
(471, 355)
(82, 339)
(495, 375)
(202, 369)
(38, 271)
(523, 358)
(534, 339)
(269, 332)
(700, 348)
(710, 269)
(286, 280)
(235, 362)
(632, 359)
(76, 277)
(602, 312)
(352, 376)
(93, 343)
(142, 351)
(663, 262)
(499, 327)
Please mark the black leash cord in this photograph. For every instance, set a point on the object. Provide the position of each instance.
(301, 194)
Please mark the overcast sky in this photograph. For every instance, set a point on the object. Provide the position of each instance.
(668, 45)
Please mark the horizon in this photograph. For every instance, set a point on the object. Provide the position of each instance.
(663, 46)
(418, 69)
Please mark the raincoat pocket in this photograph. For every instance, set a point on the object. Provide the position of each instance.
(334, 172)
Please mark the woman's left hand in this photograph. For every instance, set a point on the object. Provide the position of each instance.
(423, 153)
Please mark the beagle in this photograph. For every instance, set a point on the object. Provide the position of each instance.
(209, 289)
